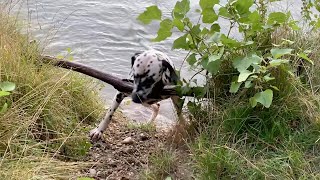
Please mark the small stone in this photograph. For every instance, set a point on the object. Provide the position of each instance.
(112, 163)
(92, 172)
(128, 150)
(143, 137)
(128, 140)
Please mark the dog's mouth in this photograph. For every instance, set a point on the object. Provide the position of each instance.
(136, 98)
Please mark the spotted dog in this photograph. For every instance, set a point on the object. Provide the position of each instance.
(151, 71)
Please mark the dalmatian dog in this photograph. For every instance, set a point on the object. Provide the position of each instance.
(151, 71)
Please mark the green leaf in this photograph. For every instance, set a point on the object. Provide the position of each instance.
(192, 59)
(151, 13)
(214, 57)
(277, 62)
(213, 66)
(277, 17)
(59, 56)
(268, 78)
(7, 86)
(294, 26)
(195, 29)
(275, 88)
(207, 3)
(208, 14)
(4, 108)
(199, 92)
(232, 43)
(70, 58)
(253, 102)
(243, 6)
(224, 12)
(4, 93)
(255, 21)
(181, 8)
(69, 50)
(248, 84)
(235, 86)
(179, 24)
(242, 63)
(264, 97)
(215, 37)
(85, 178)
(244, 75)
(305, 57)
(164, 31)
(276, 52)
(181, 43)
(214, 28)
(168, 178)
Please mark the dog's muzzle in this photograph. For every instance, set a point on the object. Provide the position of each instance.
(137, 98)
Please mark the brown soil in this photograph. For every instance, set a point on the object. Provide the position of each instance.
(115, 159)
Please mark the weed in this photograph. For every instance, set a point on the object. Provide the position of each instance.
(47, 112)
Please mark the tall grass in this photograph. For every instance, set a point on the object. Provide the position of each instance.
(280, 142)
(232, 140)
(48, 115)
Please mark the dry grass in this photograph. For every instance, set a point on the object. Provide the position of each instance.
(49, 111)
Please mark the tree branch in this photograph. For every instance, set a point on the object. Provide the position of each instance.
(121, 85)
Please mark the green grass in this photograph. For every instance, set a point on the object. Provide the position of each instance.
(49, 111)
(146, 127)
(163, 164)
(280, 142)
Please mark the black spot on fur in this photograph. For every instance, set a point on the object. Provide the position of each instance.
(151, 62)
(149, 65)
(147, 83)
(119, 98)
(138, 65)
(145, 54)
(133, 58)
(142, 75)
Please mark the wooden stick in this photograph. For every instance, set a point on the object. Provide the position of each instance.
(121, 85)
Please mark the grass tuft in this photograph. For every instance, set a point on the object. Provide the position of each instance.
(49, 111)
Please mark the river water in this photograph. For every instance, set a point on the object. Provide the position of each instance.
(105, 34)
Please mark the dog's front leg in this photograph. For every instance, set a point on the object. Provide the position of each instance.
(96, 134)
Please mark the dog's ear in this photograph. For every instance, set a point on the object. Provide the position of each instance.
(173, 75)
(133, 58)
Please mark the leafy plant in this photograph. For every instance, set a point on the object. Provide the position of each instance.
(252, 55)
(6, 88)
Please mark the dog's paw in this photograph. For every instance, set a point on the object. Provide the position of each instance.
(95, 135)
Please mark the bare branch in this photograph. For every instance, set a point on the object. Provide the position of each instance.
(121, 85)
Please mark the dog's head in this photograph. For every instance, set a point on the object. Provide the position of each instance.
(152, 70)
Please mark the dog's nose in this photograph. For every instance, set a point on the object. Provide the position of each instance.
(136, 98)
